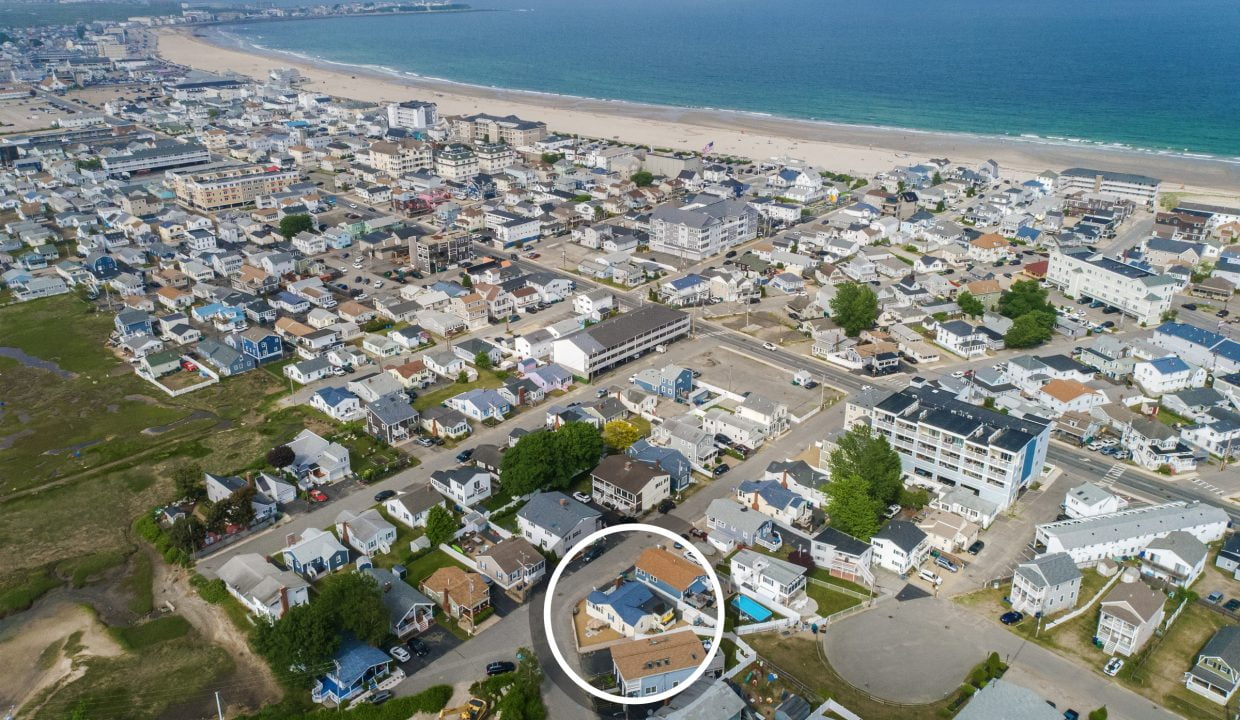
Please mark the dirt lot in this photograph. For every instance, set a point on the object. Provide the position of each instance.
(26, 115)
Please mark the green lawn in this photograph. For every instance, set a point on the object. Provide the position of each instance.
(152, 632)
(424, 566)
(829, 601)
(486, 379)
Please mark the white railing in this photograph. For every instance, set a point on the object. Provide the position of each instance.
(769, 625)
(1065, 618)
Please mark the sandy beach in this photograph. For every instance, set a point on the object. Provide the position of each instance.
(839, 148)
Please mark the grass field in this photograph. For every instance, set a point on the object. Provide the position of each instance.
(487, 379)
(830, 601)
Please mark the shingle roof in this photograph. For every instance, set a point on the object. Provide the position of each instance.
(1049, 570)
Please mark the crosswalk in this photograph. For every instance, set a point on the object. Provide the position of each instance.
(1112, 475)
(1207, 486)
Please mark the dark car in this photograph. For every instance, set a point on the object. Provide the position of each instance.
(499, 667)
(1011, 618)
(592, 554)
(380, 697)
(666, 506)
(1222, 313)
(464, 455)
(1071, 714)
(1190, 306)
(721, 469)
(1232, 605)
(976, 547)
(730, 254)
(1110, 310)
(384, 495)
(418, 647)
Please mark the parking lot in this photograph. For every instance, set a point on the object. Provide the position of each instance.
(28, 114)
(740, 374)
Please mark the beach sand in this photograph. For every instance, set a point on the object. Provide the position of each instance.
(840, 148)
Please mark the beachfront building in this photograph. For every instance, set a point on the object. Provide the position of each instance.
(401, 156)
(1137, 188)
(946, 443)
(229, 187)
(705, 226)
(508, 129)
(162, 156)
(413, 115)
(1136, 292)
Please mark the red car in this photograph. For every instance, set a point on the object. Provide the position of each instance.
(188, 366)
(317, 496)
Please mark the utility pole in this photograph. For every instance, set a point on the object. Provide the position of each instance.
(219, 708)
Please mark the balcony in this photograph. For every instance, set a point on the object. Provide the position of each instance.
(770, 540)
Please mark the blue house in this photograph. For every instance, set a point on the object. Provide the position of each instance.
(317, 552)
(670, 574)
(291, 303)
(262, 345)
(356, 668)
(33, 261)
(130, 322)
(224, 360)
(671, 381)
(671, 461)
(101, 265)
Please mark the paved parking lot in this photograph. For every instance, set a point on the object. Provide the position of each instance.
(740, 374)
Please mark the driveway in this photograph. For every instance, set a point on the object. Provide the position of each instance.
(920, 650)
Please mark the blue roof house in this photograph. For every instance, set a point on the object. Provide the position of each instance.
(630, 608)
(356, 668)
(670, 460)
(480, 404)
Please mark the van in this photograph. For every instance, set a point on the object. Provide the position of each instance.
(660, 348)
(930, 577)
(946, 564)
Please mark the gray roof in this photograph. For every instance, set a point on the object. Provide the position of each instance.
(781, 571)
(1135, 603)
(251, 575)
(1188, 548)
(1002, 699)
(737, 516)
(1225, 645)
(905, 535)
(1049, 570)
(1151, 520)
(1089, 493)
(625, 327)
(418, 498)
(555, 512)
(399, 597)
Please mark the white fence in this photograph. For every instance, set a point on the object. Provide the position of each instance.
(459, 557)
(1065, 618)
(768, 626)
(832, 706)
(212, 378)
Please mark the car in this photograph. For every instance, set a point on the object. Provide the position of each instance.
(533, 256)
(357, 278)
(892, 510)
(769, 346)
(946, 564)
(1110, 310)
(1232, 605)
(1222, 313)
(976, 547)
(426, 442)
(958, 374)
(1214, 597)
(730, 254)
(401, 654)
(581, 497)
(384, 495)
(499, 667)
(380, 697)
(378, 284)
(465, 455)
(1011, 618)
(666, 505)
(317, 495)
(1113, 665)
(721, 469)
(1071, 714)
(338, 372)
(1190, 306)
(592, 553)
(418, 647)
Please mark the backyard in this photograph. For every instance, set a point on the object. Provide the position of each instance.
(487, 379)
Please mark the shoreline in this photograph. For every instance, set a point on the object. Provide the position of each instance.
(839, 147)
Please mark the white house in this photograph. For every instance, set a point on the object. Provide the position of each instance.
(900, 547)
(464, 485)
(1167, 375)
(1088, 500)
(1047, 584)
(1177, 558)
(412, 505)
(768, 578)
(317, 460)
(367, 532)
(264, 589)
(1128, 616)
(1127, 532)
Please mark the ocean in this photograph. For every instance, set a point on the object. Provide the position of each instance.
(1138, 73)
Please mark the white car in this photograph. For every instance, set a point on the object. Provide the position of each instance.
(378, 284)
(581, 497)
(401, 654)
(769, 346)
(1113, 666)
(958, 374)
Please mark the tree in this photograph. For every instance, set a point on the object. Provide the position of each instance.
(582, 197)
(580, 445)
(462, 378)
(187, 534)
(937, 179)
(466, 281)
(241, 507)
(281, 456)
(355, 602)
(642, 178)
(1028, 330)
(1099, 714)
(482, 361)
(291, 225)
(217, 516)
(188, 480)
(303, 641)
(620, 435)
(1023, 297)
(862, 453)
(552, 158)
(598, 213)
(440, 525)
(970, 305)
(940, 206)
(530, 464)
(850, 506)
(854, 308)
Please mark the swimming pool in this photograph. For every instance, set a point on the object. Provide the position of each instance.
(751, 609)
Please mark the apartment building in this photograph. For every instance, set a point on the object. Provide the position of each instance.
(402, 156)
(1137, 293)
(229, 187)
(1137, 188)
(508, 129)
(494, 157)
(413, 115)
(456, 162)
(619, 339)
(1127, 532)
(163, 156)
(432, 253)
(944, 443)
(705, 226)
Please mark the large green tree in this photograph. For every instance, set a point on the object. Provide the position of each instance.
(862, 453)
(187, 534)
(188, 480)
(620, 435)
(550, 459)
(642, 178)
(970, 305)
(850, 506)
(854, 308)
(440, 525)
(300, 644)
(1028, 330)
(1022, 298)
(291, 225)
(355, 602)
(581, 446)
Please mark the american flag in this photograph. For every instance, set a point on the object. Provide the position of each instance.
(709, 146)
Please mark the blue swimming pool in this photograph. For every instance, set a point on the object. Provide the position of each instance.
(751, 609)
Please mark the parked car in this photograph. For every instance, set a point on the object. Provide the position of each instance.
(1190, 306)
(581, 497)
(721, 469)
(317, 495)
(1113, 665)
(1232, 605)
(465, 455)
(592, 553)
(401, 654)
(892, 510)
(380, 697)
(666, 505)
(418, 647)
(976, 547)
(384, 495)
(425, 442)
(946, 564)
(1011, 618)
(1214, 597)
(1222, 313)
(1071, 714)
(500, 667)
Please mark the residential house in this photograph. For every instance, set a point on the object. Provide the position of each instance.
(315, 552)
(391, 419)
(1176, 558)
(481, 404)
(514, 564)
(409, 611)
(769, 578)
(1127, 532)
(337, 403)
(1090, 500)
(555, 522)
(631, 609)
(463, 595)
(648, 666)
(412, 505)
(464, 485)
(1045, 585)
(843, 555)
(1128, 616)
(734, 525)
(355, 668)
(1216, 672)
(368, 532)
(671, 574)
(770, 497)
(264, 589)
(1167, 375)
(947, 532)
(629, 486)
(900, 546)
(317, 460)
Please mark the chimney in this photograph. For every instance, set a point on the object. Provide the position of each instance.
(290, 539)
(283, 600)
(564, 502)
(249, 479)
(344, 533)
